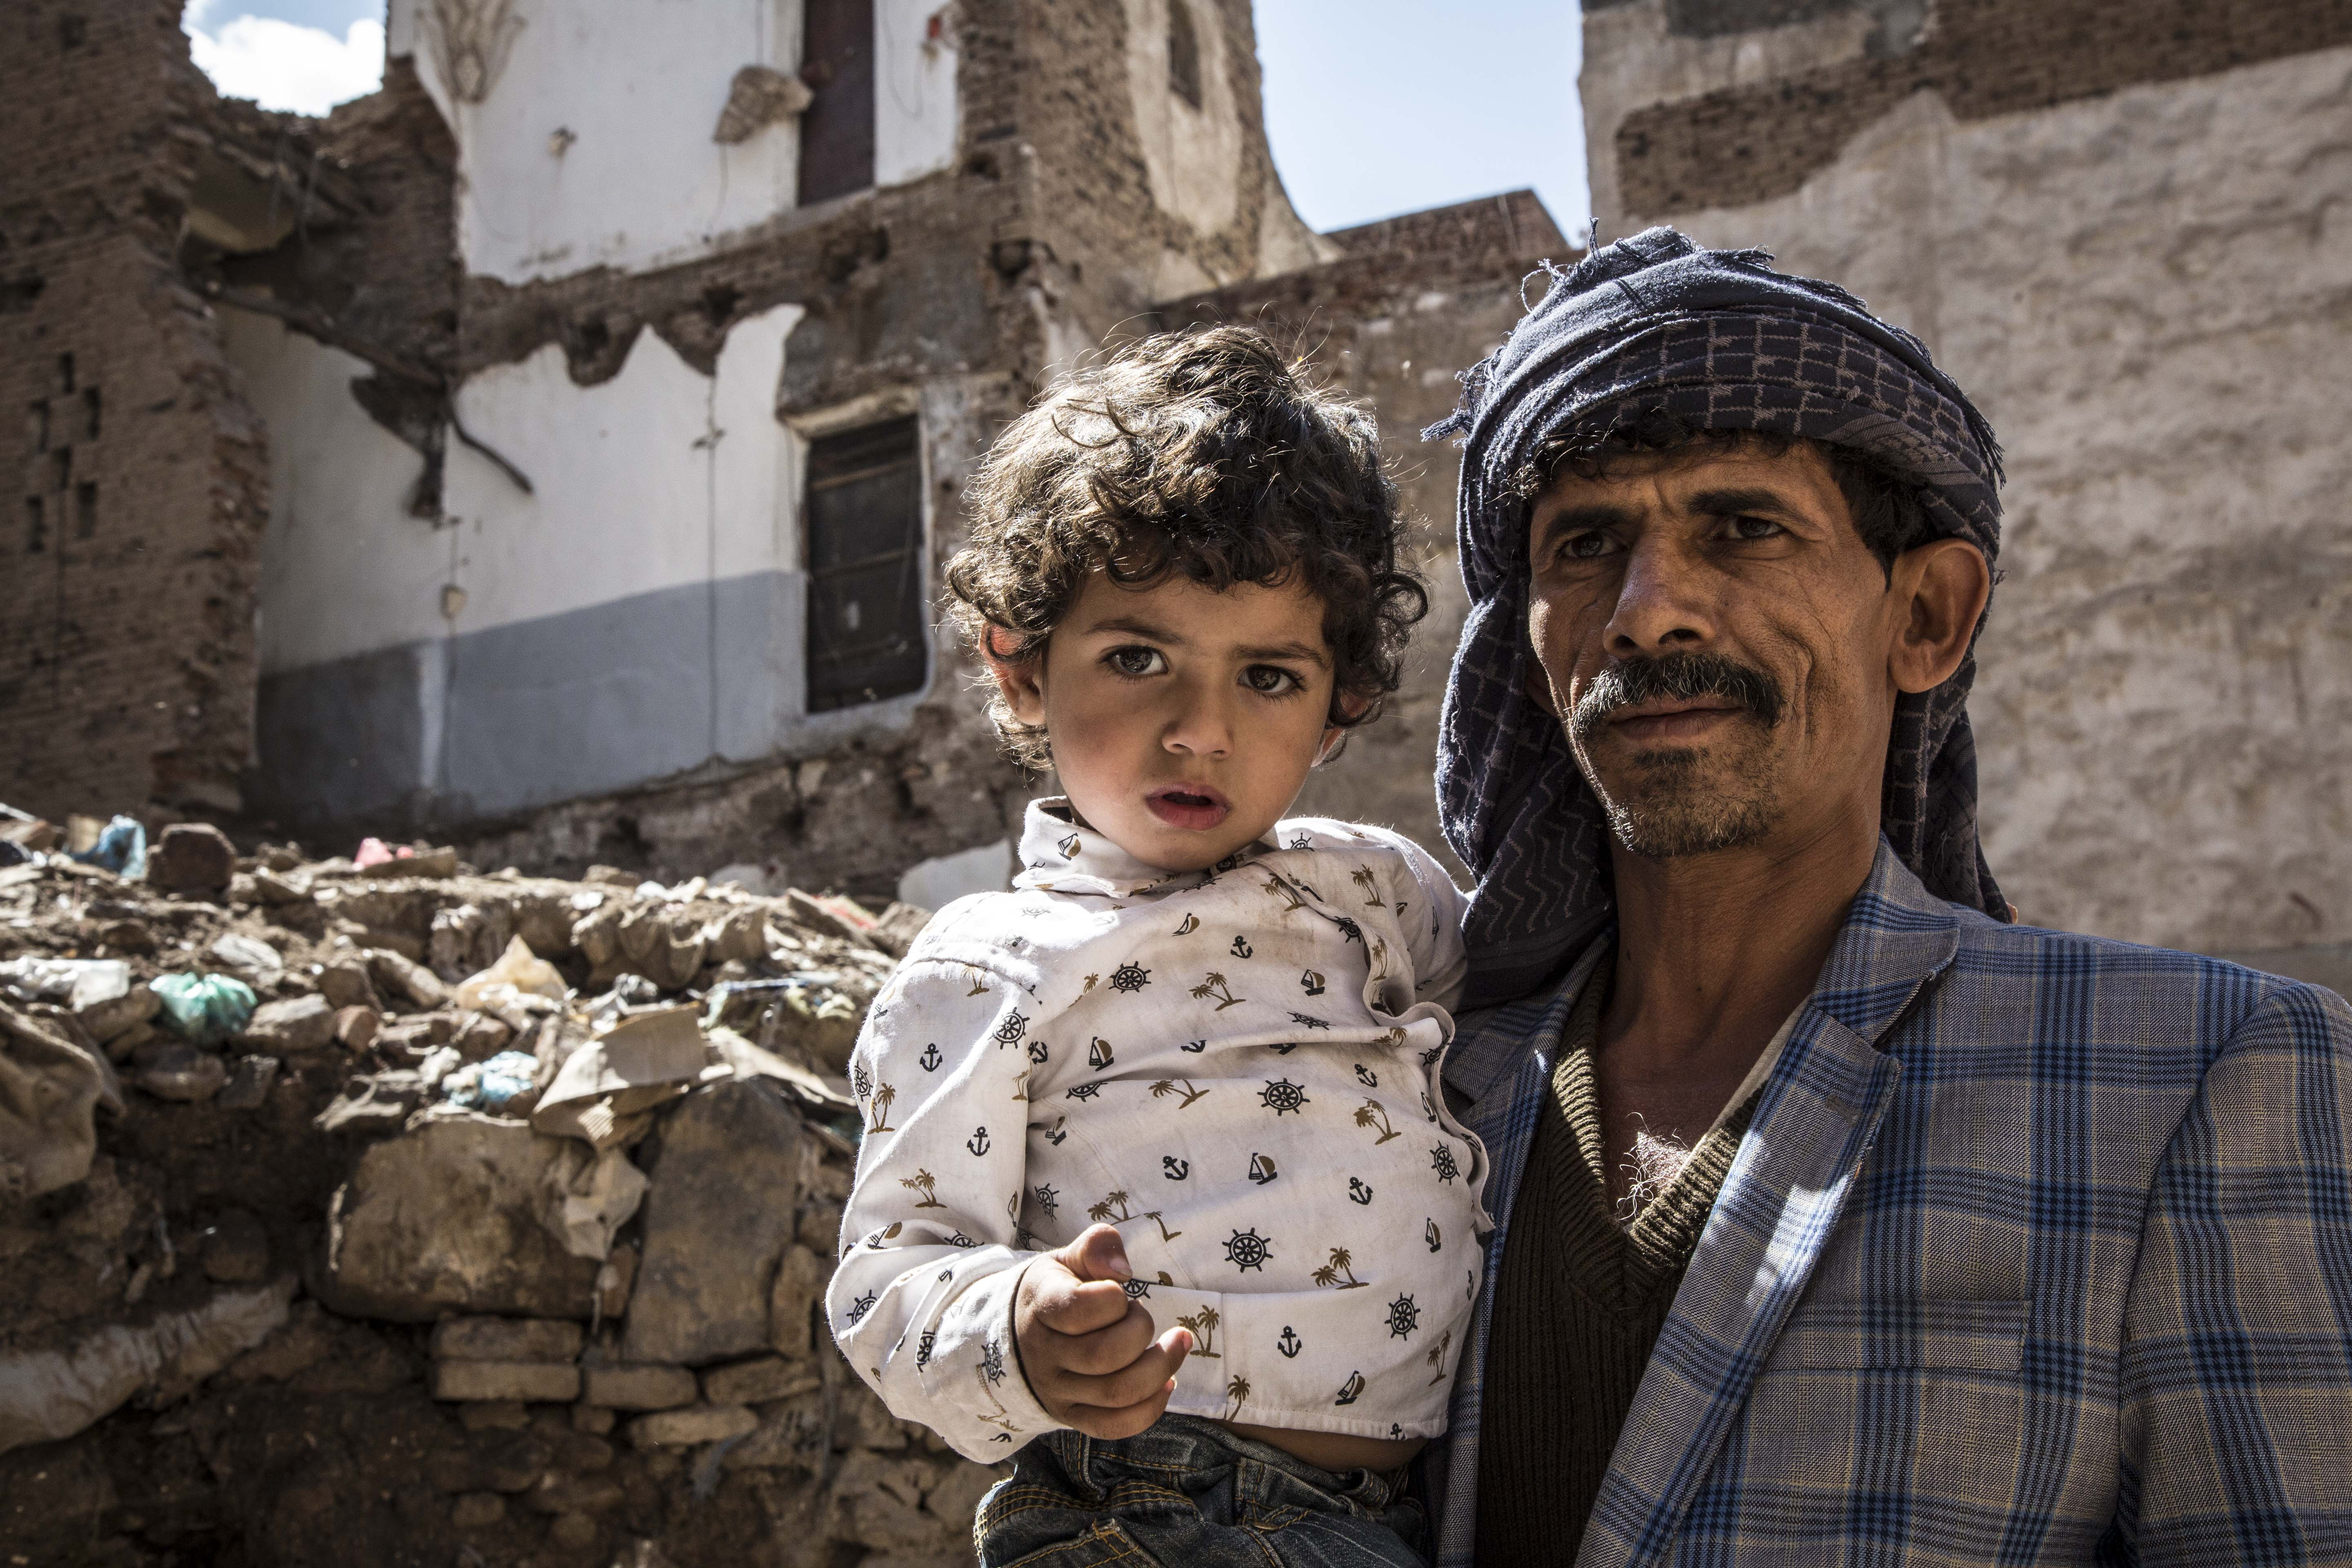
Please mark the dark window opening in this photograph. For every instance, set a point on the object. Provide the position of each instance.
(60, 469)
(89, 412)
(86, 508)
(36, 426)
(36, 528)
(868, 626)
(837, 129)
(1183, 53)
(65, 372)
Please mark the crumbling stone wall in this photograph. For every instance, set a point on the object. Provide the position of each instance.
(2119, 227)
(275, 1295)
(1415, 301)
(139, 478)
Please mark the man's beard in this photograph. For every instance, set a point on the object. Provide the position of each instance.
(1666, 806)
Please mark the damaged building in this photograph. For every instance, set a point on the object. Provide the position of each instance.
(557, 448)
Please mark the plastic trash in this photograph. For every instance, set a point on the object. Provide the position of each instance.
(121, 848)
(518, 969)
(78, 983)
(376, 852)
(489, 1085)
(204, 1008)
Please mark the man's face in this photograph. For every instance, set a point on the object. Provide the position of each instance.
(1716, 639)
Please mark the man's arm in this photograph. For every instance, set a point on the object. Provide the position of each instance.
(2237, 1359)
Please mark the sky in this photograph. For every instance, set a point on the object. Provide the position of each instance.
(1375, 107)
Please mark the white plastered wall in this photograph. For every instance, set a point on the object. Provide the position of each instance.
(590, 144)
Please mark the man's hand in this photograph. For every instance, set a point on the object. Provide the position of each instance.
(1086, 1349)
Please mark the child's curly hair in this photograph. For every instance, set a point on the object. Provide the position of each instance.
(1198, 452)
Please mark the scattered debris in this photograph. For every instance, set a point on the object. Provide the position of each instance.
(595, 1135)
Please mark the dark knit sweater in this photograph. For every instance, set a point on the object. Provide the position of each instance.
(1578, 1305)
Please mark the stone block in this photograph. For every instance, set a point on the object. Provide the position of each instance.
(401, 976)
(191, 858)
(248, 1083)
(507, 1339)
(592, 1419)
(528, 1382)
(710, 1256)
(356, 1027)
(345, 983)
(571, 1532)
(575, 1494)
(637, 1387)
(800, 1280)
(494, 1416)
(182, 1073)
(290, 1026)
(758, 1381)
(690, 1425)
(111, 1019)
(453, 1217)
(478, 1511)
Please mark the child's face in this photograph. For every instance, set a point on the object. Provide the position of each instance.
(1183, 720)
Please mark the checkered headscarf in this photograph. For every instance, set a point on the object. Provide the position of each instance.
(1718, 340)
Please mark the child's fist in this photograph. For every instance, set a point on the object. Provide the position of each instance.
(1087, 1351)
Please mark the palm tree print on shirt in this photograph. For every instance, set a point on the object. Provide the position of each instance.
(1340, 1268)
(1372, 1113)
(1167, 1086)
(1213, 984)
(1362, 876)
(1237, 1389)
(923, 1182)
(1203, 1326)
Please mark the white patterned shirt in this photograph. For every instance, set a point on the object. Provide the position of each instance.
(1237, 1067)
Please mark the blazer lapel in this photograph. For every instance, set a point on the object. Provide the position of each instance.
(1780, 1203)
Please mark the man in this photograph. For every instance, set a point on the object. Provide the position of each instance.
(1838, 1219)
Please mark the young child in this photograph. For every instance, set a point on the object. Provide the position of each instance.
(1161, 1129)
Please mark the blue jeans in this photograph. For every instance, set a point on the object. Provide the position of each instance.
(1190, 1493)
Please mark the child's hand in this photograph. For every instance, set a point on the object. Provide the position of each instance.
(1086, 1349)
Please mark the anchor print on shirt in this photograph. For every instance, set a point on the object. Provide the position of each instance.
(1242, 948)
(1173, 1168)
(1367, 1077)
(1358, 1192)
(1290, 1344)
(923, 1182)
(930, 1057)
(1213, 984)
(978, 1143)
(1039, 1052)
(1194, 1046)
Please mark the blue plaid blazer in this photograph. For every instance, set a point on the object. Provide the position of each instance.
(2038, 1250)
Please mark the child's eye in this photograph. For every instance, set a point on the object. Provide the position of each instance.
(1271, 679)
(1137, 661)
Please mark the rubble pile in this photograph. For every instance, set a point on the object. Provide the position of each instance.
(374, 1210)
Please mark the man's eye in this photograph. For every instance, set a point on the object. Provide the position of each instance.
(1585, 546)
(1755, 528)
(1271, 679)
(1137, 661)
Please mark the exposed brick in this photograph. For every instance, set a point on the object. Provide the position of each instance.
(638, 1387)
(507, 1339)
(533, 1383)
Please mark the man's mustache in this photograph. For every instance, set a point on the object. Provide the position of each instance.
(1677, 677)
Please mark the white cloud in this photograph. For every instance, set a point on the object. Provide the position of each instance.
(283, 66)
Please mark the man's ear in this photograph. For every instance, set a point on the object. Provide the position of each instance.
(1939, 591)
(1020, 672)
(1537, 683)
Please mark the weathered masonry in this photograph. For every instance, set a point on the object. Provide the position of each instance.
(589, 409)
(2122, 228)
